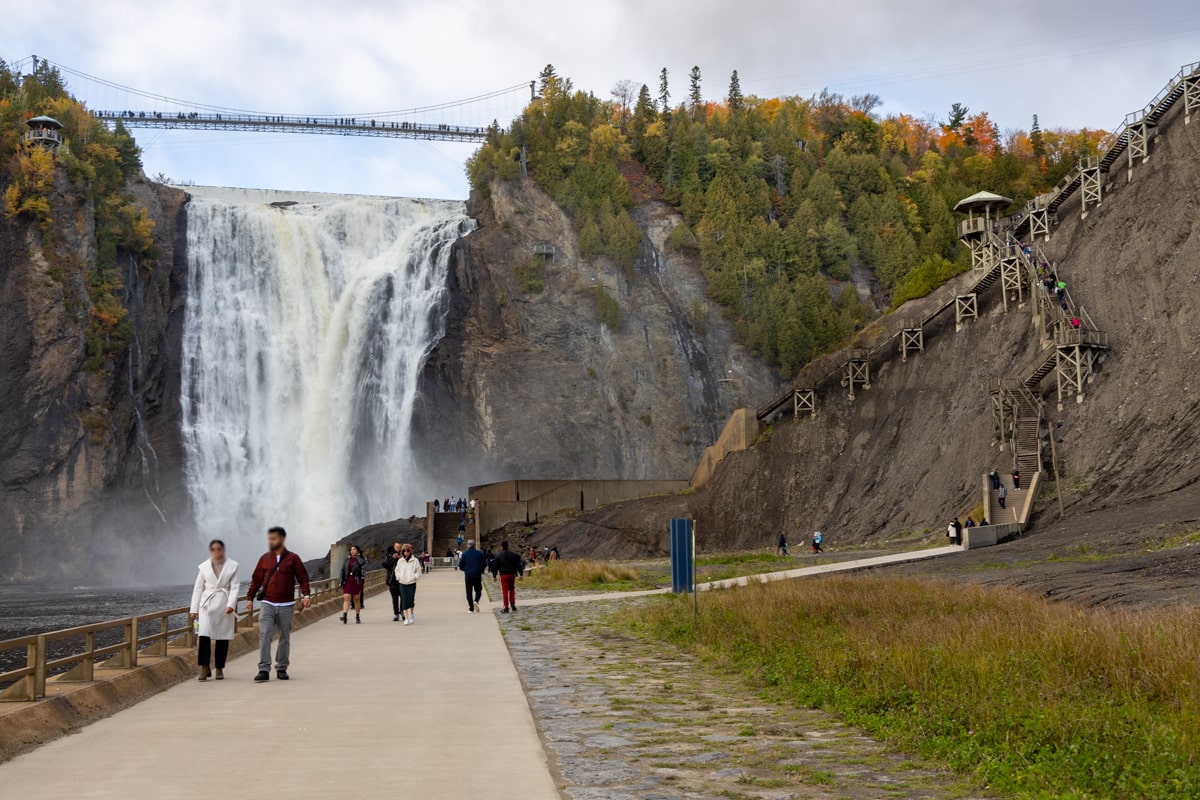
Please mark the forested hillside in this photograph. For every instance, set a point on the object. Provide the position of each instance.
(785, 199)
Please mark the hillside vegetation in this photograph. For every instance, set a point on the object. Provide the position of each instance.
(783, 198)
(97, 163)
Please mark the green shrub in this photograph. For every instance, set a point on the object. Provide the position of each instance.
(531, 276)
(608, 309)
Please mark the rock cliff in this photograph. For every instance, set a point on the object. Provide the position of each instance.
(556, 366)
(90, 455)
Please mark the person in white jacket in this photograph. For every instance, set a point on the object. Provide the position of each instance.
(214, 597)
(408, 572)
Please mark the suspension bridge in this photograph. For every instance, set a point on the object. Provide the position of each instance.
(465, 120)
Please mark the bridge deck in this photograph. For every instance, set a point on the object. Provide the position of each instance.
(377, 708)
(388, 129)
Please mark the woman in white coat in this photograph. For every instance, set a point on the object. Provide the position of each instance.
(408, 572)
(214, 597)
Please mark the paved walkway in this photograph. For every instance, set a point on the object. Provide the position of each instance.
(765, 577)
(377, 709)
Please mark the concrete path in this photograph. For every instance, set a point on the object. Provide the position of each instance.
(765, 577)
(377, 709)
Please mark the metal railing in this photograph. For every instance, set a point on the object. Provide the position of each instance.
(28, 683)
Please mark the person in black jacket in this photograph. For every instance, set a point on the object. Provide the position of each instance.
(389, 564)
(508, 564)
(473, 564)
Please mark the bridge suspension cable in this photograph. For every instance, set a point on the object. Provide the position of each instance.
(463, 120)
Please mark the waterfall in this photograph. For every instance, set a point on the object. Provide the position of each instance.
(307, 325)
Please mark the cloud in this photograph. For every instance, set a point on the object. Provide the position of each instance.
(1074, 63)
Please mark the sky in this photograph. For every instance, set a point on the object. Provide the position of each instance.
(1073, 63)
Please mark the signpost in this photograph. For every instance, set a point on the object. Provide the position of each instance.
(683, 561)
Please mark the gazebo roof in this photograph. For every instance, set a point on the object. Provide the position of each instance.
(981, 200)
(43, 122)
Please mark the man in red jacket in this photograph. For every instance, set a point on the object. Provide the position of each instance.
(276, 574)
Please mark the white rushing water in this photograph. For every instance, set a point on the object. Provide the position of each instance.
(306, 330)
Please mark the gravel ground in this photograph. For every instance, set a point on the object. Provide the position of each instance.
(626, 719)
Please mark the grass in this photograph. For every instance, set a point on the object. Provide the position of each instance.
(1185, 539)
(1031, 698)
(581, 574)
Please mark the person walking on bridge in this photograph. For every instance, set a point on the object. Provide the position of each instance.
(352, 584)
(508, 565)
(473, 563)
(408, 572)
(213, 599)
(273, 582)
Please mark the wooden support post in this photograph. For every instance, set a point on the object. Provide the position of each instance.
(804, 401)
(1011, 281)
(912, 339)
(1054, 460)
(966, 306)
(1138, 145)
(1091, 184)
(1039, 224)
(1191, 96)
(39, 668)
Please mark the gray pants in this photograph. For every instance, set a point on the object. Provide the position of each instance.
(271, 618)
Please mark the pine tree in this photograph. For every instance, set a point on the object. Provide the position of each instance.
(694, 96)
(1036, 140)
(735, 92)
(547, 79)
(664, 93)
(958, 115)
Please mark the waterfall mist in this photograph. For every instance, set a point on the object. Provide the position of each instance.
(306, 329)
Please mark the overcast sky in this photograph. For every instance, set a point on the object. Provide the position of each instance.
(1074, 63)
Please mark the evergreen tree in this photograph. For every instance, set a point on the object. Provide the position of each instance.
(664, 93)
(735, 93)
(547, 80)
(958, 115)
(1036, 141)
(694, 96)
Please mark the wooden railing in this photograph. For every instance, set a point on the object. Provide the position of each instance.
(28, 683)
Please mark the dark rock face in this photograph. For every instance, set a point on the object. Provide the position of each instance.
(90, 461)
(534, 384)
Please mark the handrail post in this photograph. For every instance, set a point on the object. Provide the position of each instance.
(39, 668)
(131, 642)
(89, 661)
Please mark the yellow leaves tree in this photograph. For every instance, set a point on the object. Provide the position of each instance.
(29, 193)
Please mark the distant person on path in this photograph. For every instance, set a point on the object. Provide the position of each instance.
(352, 584)
(213, 599)
(408, 571)
(817, 540)
(1002, 495)
(783, 544)
(473, 563)
(954, 531)
(554, 555)
(274, 584)
(508, 564)
(995, 478)
(389, 564)
(458, 542)
(1016, 475)
(532, 557)
(437, 506)
(425, 559)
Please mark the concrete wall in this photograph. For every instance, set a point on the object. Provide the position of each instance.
(740, 432)
(555, 496)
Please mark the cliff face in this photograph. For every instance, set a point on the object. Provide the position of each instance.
(89, 458)
(535, 384)
(910, 452)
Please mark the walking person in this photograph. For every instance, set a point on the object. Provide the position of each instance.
(1016, 475)
(817, 540)
(389, 564)
(473, 563)
(783, 544)
(352, 584)
(1002, 495)
(508, 565)
(213, 599)
(408, 572)
(273, 583)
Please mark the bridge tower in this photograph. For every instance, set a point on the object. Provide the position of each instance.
(44, 132)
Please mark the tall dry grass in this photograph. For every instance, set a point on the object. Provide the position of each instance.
(1036, 698)
(581, 574)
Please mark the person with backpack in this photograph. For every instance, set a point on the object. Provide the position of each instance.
(994, 477)
(817, 541)
(783, 545)
(508, 565)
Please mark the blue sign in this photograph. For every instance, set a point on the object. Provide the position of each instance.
(683, 555)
